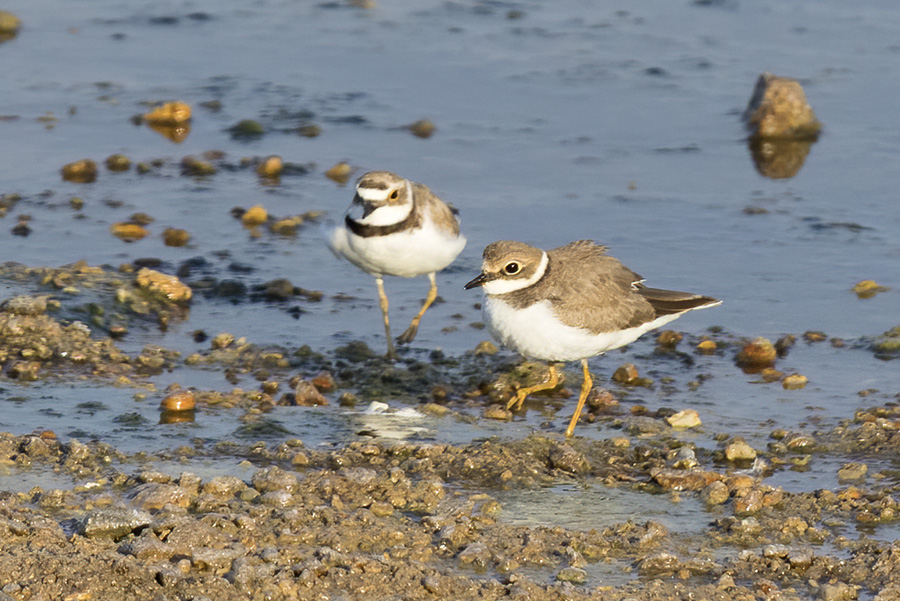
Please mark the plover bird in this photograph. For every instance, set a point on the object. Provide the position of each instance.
(398, 227)
(569, 303)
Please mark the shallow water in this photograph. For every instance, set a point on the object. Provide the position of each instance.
(555, 121)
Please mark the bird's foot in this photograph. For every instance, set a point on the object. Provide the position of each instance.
(408, 336)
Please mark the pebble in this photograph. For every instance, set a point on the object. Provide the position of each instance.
(307, 395)
(113, 522)
(740, 451)
(274, 479)
(180, 400)
(868, 288)
(270, 167)
(156, 495)
(175, 237)
(626, 374)
(118, 162)
(170, 113)
(423, 128)
(669, 338)
(192, 166)
(247, 128)
(83, 171)
(686, 418)
(129, 232)
(778, 109)
(573, 575)
(168, 286)
(707, 346)
(715, 494)
(757, 353)
(485, 347)
(9, 25)
(340, 172)
(222, 341)
(498, 412)
(794, 382)
(853, 471)
(255, 215)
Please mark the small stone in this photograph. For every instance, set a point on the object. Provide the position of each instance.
(757, 353)
(815, 336)
(118, 162)
(129, 232)
(740, 451)
(626, 374)
(778, 109)
(170, 113)
(156, 495)
(255, 215)
(81, 172)
(25, 305)
(684, 458)
(192, 166)
(794, 382)
(573, 575)
(715, 494)
(271, 167)
(340, 172)
(686, 418)
(324, 382)
(310, 130)
(868, 288)
(165, 285)
(248, 128)
(853, 471)
(784, 344)
(707, 346)
(498, 412)
(175, 237)
(9, 25)
(423, 128)
(306, 394)
(485, 347)
(113, 522)
(669, 338)
(223, 340)
(838, 592)
(180, 400)
(381, 509)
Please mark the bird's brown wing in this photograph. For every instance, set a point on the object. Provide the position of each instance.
(592, 290)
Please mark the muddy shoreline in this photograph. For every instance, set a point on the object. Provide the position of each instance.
(378, 519)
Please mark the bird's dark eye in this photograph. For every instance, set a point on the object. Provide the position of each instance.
(394, 195)
(511, 268)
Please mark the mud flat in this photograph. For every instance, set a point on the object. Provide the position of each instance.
(377, 520)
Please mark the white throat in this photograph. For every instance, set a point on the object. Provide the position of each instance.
(506, 286)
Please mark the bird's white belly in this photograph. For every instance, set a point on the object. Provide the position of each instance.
(536, 333)
(404, 254)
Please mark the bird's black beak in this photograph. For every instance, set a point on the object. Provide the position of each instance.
(480, 280)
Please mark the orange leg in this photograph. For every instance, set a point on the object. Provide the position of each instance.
(551, 382)
(586, 385)
(410, 333)
(382, 297)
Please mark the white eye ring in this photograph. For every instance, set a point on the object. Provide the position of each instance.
(512, 268)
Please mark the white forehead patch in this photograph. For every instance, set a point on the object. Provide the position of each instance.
(506, 286)
(372, 194)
